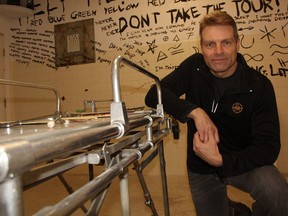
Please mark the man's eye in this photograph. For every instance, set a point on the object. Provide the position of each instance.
(227, 43)
(209, 45)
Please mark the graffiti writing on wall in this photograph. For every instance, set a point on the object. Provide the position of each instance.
(155, 31)
(33, 46)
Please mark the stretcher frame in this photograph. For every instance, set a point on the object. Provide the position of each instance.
(68, 147)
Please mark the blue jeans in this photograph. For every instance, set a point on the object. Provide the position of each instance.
(265, 185)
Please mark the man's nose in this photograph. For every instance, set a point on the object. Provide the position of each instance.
(218, 49)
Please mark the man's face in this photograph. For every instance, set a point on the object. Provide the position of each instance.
(219, 48)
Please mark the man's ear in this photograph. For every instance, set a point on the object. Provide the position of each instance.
(238, 44)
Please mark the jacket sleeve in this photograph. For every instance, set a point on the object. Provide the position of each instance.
(265, 136)
(173, 86)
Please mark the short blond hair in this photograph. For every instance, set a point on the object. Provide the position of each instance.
(218, 18)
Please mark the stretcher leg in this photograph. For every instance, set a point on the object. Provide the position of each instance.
(164, 178)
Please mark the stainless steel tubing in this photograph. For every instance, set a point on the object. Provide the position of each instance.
(164, 178)
(33, 85)
(124, 193)
(117, 107)
(10, 200)
(139, 122)
(18, 155)
(53, 117)
(148, 199)
(48, 118)
(116, 83)
(115, 147)
(39, 174)
(71, 203)
(115, 77)
(158, 137)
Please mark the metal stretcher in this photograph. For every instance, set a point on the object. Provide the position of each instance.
(31, 154)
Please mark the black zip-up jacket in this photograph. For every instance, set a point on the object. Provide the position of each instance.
(246, 115)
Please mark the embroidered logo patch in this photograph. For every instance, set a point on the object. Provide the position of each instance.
(237, 107)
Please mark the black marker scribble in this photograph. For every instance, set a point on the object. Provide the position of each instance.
(283, 28)
(165, 38)
(241, 40)
(152, 46)
(190, 34)
(278, 51)
(249, 28)
(258, 57)
(176, 38)
(155, 3)
(283, 53)
(283, 47)
(282, 63)
(176, 47)
(176, 50)
(161, 56)
(281, 71)
(267, 33)
(196, 49)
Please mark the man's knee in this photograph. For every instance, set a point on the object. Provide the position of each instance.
(271, 190)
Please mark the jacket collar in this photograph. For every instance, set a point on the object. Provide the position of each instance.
(244, 85)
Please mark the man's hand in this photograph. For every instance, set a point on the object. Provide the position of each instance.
(208, 150)
(203, 124)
